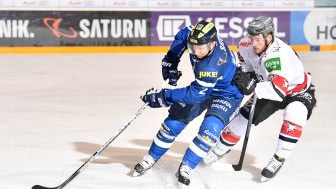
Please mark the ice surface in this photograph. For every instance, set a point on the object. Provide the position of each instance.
(58, 110)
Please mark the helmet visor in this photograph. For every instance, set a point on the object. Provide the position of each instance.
(199, 49)
(191, 48)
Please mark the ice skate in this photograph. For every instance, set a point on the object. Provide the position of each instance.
(145, 164)
(212, 157)
(183, 175)
(272, 168)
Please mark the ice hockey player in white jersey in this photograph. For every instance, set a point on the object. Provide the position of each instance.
(283, 85)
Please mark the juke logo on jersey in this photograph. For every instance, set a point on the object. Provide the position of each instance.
(208, 74)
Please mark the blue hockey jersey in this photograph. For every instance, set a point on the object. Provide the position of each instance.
(213, 74)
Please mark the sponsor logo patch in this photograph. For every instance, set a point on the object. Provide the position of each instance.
(273, 64)
(208, 74)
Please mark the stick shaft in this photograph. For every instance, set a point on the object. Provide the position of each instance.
(239, 166)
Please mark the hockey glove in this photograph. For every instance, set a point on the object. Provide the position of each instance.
(244, 82)
(169, 71)
(155, 99)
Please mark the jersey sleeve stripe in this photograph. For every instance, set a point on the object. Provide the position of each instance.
(205, 84)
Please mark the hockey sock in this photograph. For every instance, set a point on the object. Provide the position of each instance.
(226, 142)
(196, 151)
(290, 133)
(161, 144)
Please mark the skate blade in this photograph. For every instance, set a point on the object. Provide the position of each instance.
(136, 174)
(264, 179)
(180, 185)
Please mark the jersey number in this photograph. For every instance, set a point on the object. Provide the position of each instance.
(203, 91)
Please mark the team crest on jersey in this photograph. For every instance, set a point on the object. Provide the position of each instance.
(276, 49)
(273, 64)
(222, 60)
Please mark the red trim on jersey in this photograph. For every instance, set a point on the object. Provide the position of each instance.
(291, 130)
(302, 86)
(280, 84)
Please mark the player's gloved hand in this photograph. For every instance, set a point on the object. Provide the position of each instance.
(155, 99)
(244, 82)
(169, 71)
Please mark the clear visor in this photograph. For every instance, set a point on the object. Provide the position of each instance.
(191, 49)
(256, 38)
(198, 48)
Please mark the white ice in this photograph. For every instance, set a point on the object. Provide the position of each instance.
(58, 110)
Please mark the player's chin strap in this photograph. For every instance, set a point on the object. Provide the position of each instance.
(266, 45)
(86, 164)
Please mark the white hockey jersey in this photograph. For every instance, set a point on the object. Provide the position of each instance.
(279, 69)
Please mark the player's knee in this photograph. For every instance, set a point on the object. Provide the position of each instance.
(207, 135)
(233, 132)
(296, 112)
(228, 138)
(237, 126)
(211, 128)
(172, 127)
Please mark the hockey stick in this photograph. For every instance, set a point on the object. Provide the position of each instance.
(239, 166)
(219, 166)
(86, 164)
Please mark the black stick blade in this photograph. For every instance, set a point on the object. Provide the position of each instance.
(237, 167)
(42, 187)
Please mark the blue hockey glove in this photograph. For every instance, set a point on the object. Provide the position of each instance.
(155, 99)
(169, 71)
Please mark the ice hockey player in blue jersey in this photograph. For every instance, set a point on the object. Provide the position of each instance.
(214, 66)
